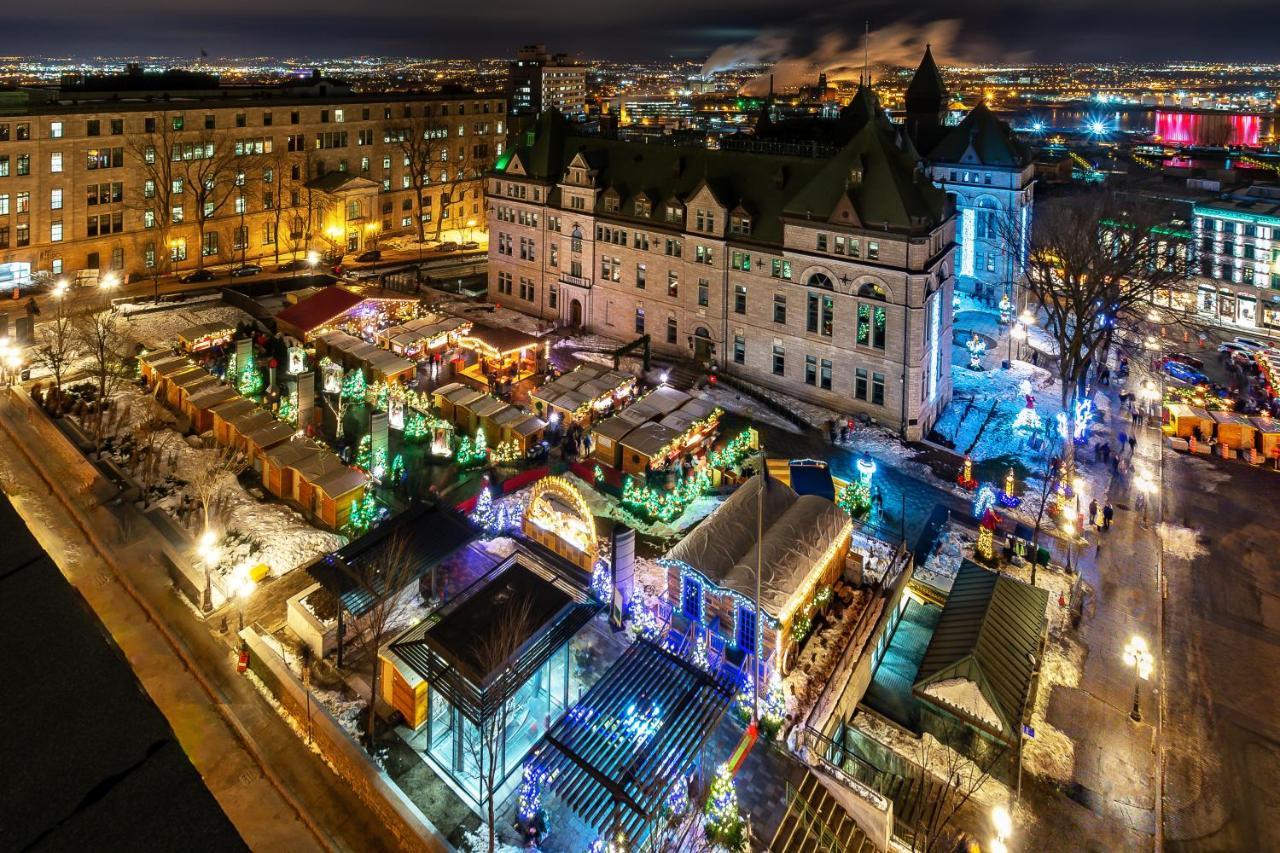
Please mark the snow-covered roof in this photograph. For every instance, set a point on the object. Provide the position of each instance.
(530, 425)
(649, 439)
(798, 530)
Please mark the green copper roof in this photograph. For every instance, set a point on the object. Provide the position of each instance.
(927, 92)
(993, 142)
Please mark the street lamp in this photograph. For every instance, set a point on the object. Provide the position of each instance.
(110, 281)
(60, 288)
(1146, 486)
(1002, 826)
(1069, 529)
(1139, 657)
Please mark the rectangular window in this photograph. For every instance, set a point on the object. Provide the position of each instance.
(822, 242)
(825, 375)
(860, 383)
(704, 293)
(779, 308)
(640, 320)
(55, 231)
(210, 244)
(55, 162)
(55, 129)
(810, 370)
(873, 250)
(641, 272)
(779, 361)
(781, 269)
(55, 199)
(672, 330)
(811, 314)
(877, 389)
(739, 349)
(739, 299)
(673, 283)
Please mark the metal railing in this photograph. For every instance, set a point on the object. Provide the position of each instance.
(813, 823)
(575, 280)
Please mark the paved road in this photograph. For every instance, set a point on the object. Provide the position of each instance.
(1222, 657)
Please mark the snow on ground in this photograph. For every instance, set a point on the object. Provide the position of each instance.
(161, 328)
(954, 543)
(967, 424)
(348, 712)
(732, 400)
(253, 532)
(1181, 542)
(500, 316)
(813, 668)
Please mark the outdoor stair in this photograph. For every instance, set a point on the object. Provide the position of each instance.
(815, 822)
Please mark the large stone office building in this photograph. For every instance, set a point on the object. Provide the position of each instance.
(829, 278)
(121, 173)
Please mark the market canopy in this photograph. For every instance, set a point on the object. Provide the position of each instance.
(985, 650)
(616, 755)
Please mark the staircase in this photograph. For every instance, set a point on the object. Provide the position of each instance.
(815, 822)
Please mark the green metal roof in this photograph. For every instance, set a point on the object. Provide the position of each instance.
(989, 633)
(993, 142)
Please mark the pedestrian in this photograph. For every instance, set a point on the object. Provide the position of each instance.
(1106, 452)
(1035, 357)
(1123, 441)
(1133, 445)
(1115, 466)
(1108, 512)
(1135, 416)
(1097, 451)
(1093, 513)
(1140, 501)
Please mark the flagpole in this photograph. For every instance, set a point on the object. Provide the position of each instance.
(755, 653)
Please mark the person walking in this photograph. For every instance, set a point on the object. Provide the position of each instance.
(1093, 513)
(1108, 512)
(1133, 445)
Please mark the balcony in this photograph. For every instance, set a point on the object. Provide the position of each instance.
(574, 280)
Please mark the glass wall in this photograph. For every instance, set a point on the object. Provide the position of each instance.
(454, 741)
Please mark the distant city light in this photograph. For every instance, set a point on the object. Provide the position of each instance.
(1097, 127)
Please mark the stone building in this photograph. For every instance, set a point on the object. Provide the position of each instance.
(251, 173)
(828, 278)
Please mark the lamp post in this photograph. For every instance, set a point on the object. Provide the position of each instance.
(209, 554)
(1146, 486)
(1139, 657)
(1002, 827)
(1069, 529)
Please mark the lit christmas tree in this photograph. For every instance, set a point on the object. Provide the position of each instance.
(353, 385)
(483, 514)
(248, 379)
(397, 468)
(724, 824)
(415, 429)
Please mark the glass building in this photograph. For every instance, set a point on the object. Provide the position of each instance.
(496, 668)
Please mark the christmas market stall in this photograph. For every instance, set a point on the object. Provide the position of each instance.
(330, 308)
(557, 517)
(157, 367)
(418, 338)
(199, 407)
(443, 398)
(584, 394)
(206, 336)
(355, 354)
(455, 690)
(224, 414)
(1268, 430)
(244, 425)
(1184, 421)
(479, 414)
(526, 433)
(982, 662)
(313, 478)
(499, 354)
(659, 428)
(1234, 430)
(798, 543)
(607, 435)
(261, 439)
(191, 384)
(170, 386)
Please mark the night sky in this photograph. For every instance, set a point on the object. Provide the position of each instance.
(976, 31)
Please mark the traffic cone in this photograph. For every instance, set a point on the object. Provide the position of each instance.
(1062, 600)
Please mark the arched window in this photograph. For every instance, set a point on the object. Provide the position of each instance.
(987, 211)
(873, 290)
(576, 238)
(821, 280)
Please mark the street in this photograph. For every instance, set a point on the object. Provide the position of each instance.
(1222, 655)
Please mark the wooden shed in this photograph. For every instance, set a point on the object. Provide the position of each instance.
(645, 446)
(200, 406)
(224, 413)
(206, 336)
(260, 440)
(526, 433)
(241, 426)
(1184, 419)
(462, 416)
(442, 399)
(1268, 436)
(172, 384)
(157, 365)
(606, 436)
(1234, 430)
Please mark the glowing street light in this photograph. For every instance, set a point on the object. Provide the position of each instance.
(1138, 656)
(110, 281)
(60, 288)
(313, 258)
(1002, 826)
(1069, 530)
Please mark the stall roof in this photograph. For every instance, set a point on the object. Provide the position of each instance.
(269, 435)
(596, 388)
(1232, 418)
(649, 438)
(1267, 425)
(318, 309)
(486, 406)
(201, 330)
(388, 364)
(189, 377)
(666, 399)
(508, 416)
(797, 530)
(430, 533)
(286, 454)
(502, 339)
(615, 428)
(232, 409)
(446, 390)
(340, 481)
(464, 397)
(678, 421)
(249, 421)
(569, 401)
(530, 425)
(989, 635)
(698, 408)
(165, 364)
(809, 477)
(211, 397)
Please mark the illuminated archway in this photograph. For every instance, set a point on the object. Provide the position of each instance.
(557, 517)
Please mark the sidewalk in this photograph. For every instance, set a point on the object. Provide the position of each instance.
(273, 789)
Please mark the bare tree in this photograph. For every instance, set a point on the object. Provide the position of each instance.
(282, 194)
(1097, 263)
(509, 626)
(421, 139)
(158, 157)
(58, 345)
(383, 577)
(461, 179)
(99, 334)
(152, 436)
(961, 777)
(211, 177)
(209, 477)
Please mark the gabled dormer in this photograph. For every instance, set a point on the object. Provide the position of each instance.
(706, 213)
(579, 172)
(673, 211)
(515, 166)
(611, 201)
(740, 221)
(642, 205)
(844, 212)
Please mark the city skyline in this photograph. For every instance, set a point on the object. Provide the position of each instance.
(1082, 31)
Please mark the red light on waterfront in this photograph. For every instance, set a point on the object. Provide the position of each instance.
(1180, 128)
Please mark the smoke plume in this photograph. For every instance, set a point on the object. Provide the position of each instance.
(839, 53)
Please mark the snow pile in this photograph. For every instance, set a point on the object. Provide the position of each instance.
(732, 400)
(985, 404)
(158, 328)
(950, 548)
(1181, 542)
(477, 841)
(349, 713)
(499, 316)
(813, 668)
(964, 695)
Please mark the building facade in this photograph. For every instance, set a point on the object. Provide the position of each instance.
(1237, 251)
(540, 81)
(827, 278)
(133, 181)
(989, 173)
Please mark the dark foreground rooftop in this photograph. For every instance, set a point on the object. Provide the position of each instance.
(90, 763)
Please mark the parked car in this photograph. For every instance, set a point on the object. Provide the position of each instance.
(1184, 358)
(295, 264)
(1229, 348)
(446, 247)
(246, 270)
(470, 246)
(197, 276)
(1249, 344)
(371, 255)
(1184, 373)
